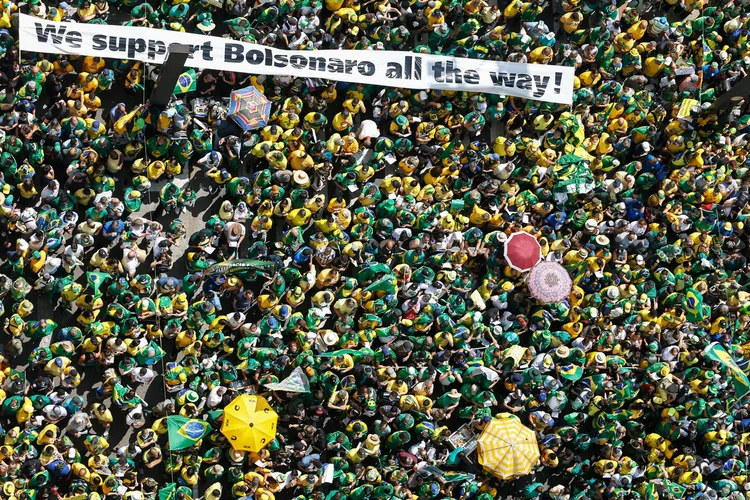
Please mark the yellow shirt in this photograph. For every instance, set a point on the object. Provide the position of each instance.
(92, 66)
(568, 23)
(298, 217)
(638, 30)
(652, 67)
(341, 123)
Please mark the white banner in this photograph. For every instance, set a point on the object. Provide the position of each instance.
(387, 68)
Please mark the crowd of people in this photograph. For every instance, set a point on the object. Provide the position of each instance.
(380, 217)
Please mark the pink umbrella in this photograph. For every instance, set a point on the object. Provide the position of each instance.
(522, 251)
(549, 282)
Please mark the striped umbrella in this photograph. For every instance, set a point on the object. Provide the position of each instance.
(508, 449)
(249, 108)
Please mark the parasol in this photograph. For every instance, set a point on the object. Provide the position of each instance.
(549, 282)
(249, 108)
(522, 251)
(249, 423)
(508, 449)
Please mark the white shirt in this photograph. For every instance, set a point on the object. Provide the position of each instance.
(143, 378)
(214, 397)
(235, 320)
(234, 240)
(368, 128)
(130, 419)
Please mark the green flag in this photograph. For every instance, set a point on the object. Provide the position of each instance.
(186, 82)
(674, 489)
(150, 354)
(185, 432)
(692, 302)
(16, 375)
(96, 280)
(340, 352)
(239, 265)
(18, 383)
(448, 149)
(715, 352)
(448, 476)
(167, 491)
(119, 397)
(387, 284)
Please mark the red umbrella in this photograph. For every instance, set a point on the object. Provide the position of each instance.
(522, 251)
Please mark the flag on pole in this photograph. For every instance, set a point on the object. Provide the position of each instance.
(715, 352)
(167, 492)
(187, 82)
(185, 432)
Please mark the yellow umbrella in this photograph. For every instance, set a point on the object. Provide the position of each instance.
(249, 423)
(507, 448)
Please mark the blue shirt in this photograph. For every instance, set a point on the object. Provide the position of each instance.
(108, 227)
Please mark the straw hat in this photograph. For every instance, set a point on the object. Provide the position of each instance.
(562, 352)
(301, 179)
(206, 25)
(236, 456)
(602, 240)
(330, 338)
(591, 225)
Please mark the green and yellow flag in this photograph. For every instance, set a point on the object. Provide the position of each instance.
(239, 265)
(186, 82)
(693, 305)
(385, 284)
(95, 280)
(185, 432)
(715, 352)
(674, 489)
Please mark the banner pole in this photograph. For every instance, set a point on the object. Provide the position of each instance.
(177, 54)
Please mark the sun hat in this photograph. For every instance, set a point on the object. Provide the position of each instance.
(301, 179)
(562, 352)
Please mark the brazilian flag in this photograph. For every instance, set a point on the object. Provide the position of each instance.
(385, 284)
(448, 150)
(693, 305)
(95, 280)
(186, 82)
(571, 372)
(119, 397)
(185, 432)
(674, 489)
(715, 352)
(649, 491)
